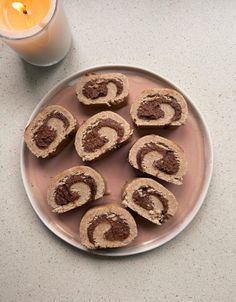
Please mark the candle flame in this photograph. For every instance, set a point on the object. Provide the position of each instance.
(20, 7)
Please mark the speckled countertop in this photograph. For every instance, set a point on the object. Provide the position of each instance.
(192, 43)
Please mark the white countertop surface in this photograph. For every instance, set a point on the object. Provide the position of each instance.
(192, 43)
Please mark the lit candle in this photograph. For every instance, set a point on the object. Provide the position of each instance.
(37, 30)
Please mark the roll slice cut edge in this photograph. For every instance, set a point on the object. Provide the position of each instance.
(50, 131)
(108, 90)
(159, 157)
(74, 187)
(150, 200)
(100, 134)
(159, 108)
(107, 226)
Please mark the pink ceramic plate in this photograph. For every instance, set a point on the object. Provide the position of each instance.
(193, 137)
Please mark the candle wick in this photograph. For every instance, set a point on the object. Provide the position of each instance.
(20, 7)
(25, 10)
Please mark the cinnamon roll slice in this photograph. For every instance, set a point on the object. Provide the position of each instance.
(108, 226)
(158, 108)
(50, 131)
(100, 134)
(150, 200)
(160, 157)
(110, 89)
(74, 187)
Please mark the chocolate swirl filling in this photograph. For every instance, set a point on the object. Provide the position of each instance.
(167, 164)
(142, 198)
(97, 88)
(64, 195)
(45, 134)
(93, 141)
(118, 231)
(150, 109)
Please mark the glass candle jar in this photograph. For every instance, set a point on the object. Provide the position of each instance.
(37, 30)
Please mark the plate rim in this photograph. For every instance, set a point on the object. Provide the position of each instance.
(152, 245)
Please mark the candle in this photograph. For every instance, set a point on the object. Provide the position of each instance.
(37, 30)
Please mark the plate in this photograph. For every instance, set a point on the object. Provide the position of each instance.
(193, 137)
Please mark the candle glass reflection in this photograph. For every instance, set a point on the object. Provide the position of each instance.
(43, 38)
